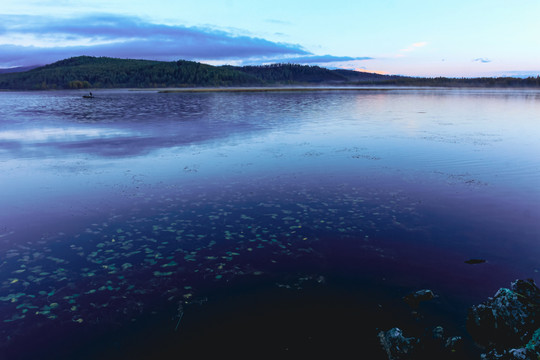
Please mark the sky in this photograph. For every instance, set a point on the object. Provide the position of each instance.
(459, 38)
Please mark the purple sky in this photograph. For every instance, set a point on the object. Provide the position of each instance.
(409, 37)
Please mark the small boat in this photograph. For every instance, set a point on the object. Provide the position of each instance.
(89, 96)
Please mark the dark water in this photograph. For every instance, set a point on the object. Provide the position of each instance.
(143, 225)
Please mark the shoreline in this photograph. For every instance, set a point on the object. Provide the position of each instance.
(322, 88)
(285, 89)
(272, 89)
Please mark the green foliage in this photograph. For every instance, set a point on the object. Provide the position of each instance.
(77, 84)
(85, 71)
(101, 72)
(292, 74)
(464, 82)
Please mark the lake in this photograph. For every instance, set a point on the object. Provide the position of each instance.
(141, 225)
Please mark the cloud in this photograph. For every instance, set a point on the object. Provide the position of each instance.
(321, 59)
(403, 52)
(45, 39)
(308, 59)
(414, 46)
(482, 60)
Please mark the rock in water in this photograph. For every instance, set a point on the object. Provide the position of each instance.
(397, 346)
(513, 354)
(438, 333)
(509, 320)
(437, 346)
(415, 298)
(452, 343)
(475, 261)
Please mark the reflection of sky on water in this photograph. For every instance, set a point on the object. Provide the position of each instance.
(61, 143)
(421, 179)
(57, 134)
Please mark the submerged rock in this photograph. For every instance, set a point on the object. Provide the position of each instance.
(415, 298)
(438, 333)
(475, 261)
(508, 324)
(452, 343)
(436, 346)
(397, 346)
(512, 354)
(439, 345)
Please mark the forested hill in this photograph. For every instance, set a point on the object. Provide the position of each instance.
(295, 74)
(102, 72)
(86, 72)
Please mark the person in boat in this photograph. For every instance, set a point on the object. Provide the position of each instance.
(91, 94)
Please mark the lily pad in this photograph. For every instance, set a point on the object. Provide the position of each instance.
(160, 274)
(475, 261)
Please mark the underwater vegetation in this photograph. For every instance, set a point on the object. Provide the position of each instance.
(300, 222)
(116, 270)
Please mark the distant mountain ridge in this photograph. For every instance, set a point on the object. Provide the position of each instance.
(17, 69)
(85, 72)
(103, 72)
(294, 73)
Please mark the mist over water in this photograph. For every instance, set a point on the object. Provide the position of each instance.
(152, 223)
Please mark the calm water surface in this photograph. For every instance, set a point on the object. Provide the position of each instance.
(140, 224)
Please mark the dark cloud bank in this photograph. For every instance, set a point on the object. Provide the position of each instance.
(131, 37)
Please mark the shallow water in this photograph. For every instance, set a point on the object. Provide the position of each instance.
(288, 222)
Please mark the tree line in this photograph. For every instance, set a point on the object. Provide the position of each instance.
(85, 72)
